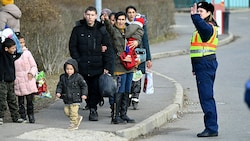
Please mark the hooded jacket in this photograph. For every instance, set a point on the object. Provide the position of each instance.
(72, 87)
(10, 17)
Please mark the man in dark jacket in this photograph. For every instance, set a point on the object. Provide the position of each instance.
(85, 45)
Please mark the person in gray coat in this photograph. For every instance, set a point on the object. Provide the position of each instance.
(10, 16)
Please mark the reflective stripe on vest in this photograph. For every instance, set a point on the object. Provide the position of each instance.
(199, 48)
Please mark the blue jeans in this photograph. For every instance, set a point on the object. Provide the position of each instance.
(124, 83)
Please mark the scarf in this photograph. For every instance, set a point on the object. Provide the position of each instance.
(122, 30)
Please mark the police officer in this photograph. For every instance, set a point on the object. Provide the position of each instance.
(204, 63)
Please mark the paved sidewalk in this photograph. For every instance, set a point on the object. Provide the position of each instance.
(154, 110)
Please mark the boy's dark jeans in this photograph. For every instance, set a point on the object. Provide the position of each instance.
(7, 94)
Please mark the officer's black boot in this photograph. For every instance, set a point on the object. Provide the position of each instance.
(124, 108)
(117, 108)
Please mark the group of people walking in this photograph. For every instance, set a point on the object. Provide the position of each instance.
(95, 47)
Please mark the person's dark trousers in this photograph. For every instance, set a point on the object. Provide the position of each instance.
(124, 108)
(111, 102)
(3, 98)
(135, 93)
(205, 71)
(94, 95)
(30, 107)
(7, 94)
(136, 88)
(22, 110)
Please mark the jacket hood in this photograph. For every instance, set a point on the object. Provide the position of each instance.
(72, 62)
(13, 10)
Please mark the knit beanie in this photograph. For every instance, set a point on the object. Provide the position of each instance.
(6, 2)
(106, 11)
(207, 6)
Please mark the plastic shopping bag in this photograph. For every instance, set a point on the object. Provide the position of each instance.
(148, 87)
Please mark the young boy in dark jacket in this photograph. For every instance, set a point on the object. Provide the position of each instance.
(72, 88)
(8, 55)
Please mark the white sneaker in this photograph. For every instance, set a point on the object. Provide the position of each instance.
(20, 120)
(72, 127)
(79, 121)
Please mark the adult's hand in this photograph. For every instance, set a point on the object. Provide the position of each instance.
(104, 48)
(193, 9)
(149, 64)
(30, 76)
(105, 71)
(105, 17)
(133, 44)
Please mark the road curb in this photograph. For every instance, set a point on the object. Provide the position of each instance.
(170, 112)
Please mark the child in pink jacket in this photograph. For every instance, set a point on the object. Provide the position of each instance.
(25, 83)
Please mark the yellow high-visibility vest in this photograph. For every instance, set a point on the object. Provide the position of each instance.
(199, 48)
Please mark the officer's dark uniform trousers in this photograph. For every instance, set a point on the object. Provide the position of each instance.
(205, 69)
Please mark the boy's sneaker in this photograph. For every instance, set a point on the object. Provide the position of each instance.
(79, 121)
(1, 121)
(19, 120)
(72, 127)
